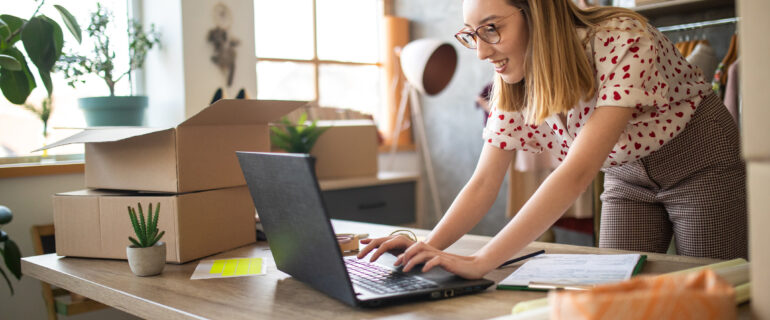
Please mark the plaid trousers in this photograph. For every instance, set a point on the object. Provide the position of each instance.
(694, 187)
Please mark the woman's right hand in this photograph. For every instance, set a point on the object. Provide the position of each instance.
(395, 244)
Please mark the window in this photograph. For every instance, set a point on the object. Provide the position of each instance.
(320, 50)
(21, 131)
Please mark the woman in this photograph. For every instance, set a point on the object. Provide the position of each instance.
(601, 90)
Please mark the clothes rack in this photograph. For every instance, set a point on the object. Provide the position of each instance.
(698, 25)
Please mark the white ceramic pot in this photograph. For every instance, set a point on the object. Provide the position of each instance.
(147, 261)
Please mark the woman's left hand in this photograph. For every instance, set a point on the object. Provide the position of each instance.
(467, 267)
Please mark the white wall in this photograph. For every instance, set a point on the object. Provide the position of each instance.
(202, 77)
(181, 78)
(29, 199)
(164, 69)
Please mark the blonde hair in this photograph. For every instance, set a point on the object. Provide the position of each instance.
(557, 72)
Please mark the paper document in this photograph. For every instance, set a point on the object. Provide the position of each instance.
(226, 268)
(573, 269)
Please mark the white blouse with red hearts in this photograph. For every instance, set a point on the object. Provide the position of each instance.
(636, 67)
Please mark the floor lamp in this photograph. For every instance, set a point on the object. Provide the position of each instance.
(428, 65)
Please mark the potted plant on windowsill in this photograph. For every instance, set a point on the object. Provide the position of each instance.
(110, 110)
(146, 256)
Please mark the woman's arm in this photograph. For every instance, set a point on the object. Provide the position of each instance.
(466, 210)
(474, 200)
(550, 201)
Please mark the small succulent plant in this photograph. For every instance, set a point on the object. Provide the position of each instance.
(146, 231)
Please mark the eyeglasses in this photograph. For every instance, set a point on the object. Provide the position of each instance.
(487, 33)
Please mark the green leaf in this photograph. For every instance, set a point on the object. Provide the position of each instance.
(9, 62)
(10, 286)
(142, 226)
(136, 243)
(13, 23)
(12, 257)
(70, 22)
(134, 222)
(158, 237)
(43, 40)
(16, 85)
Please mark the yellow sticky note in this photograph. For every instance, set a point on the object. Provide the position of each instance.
(243, 267)
(229, 269)
(256, 266)
(217, 266)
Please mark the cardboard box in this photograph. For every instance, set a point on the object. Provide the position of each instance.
(95, 223)
(348, 148)
(198, 154)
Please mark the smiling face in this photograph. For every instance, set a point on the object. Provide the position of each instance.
(508, 55)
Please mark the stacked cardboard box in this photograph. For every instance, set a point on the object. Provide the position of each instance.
(190, 169)
(347, 149)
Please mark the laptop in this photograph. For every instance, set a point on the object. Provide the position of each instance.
(292, 212)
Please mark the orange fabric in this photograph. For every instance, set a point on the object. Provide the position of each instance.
(699, 295)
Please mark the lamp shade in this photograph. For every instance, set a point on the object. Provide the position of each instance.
(428, 64)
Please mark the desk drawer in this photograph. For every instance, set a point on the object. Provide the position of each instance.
(392, 204)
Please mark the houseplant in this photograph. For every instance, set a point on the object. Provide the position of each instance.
(146, 256)
(42, 39)
(111, 110)
(9, 250)
(295, 138)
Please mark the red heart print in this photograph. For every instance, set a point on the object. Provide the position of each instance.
(501, 117)
(637, 145)
(628, 66)
(615, 60)
(502, 145)
(616, 95)
(679, 114)
(633, 49)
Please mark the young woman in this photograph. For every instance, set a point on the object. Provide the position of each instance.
(601, 90)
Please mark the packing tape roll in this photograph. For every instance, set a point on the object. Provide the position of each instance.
(348, 242)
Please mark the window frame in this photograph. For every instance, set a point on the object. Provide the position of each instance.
(317, 63)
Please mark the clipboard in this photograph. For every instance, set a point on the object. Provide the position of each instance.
(544, 287)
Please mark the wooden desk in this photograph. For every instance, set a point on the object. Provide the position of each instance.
(172, 295)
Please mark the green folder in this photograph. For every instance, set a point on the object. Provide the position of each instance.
(637, 270)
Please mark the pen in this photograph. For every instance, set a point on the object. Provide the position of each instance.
(527, 256)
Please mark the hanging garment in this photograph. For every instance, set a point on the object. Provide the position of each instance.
(720, 76)
(732, 91)
(688, 47)
(704, 57)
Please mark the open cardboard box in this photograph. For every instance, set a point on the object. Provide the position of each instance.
(198, 154)
(95, 223)
(348, 148)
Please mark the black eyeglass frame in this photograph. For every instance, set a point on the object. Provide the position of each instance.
(475, 34)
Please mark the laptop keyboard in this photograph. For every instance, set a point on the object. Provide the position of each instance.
(382, 280)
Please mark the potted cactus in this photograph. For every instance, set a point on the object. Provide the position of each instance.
(146, 255)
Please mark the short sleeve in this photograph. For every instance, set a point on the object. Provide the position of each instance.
(623, 56)
(508, 131)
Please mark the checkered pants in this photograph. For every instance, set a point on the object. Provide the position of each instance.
(694, 187)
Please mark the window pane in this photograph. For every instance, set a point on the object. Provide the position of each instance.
(21, 131)
(350, 87)
(284, 29)
(285, 81)
(348, 30)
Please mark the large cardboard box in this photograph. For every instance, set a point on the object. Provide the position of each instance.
(198, 154)
(348, 148)
(95, 223)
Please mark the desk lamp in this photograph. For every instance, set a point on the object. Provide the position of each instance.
(428, 65)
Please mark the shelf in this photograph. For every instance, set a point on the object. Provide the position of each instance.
(680, 6)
